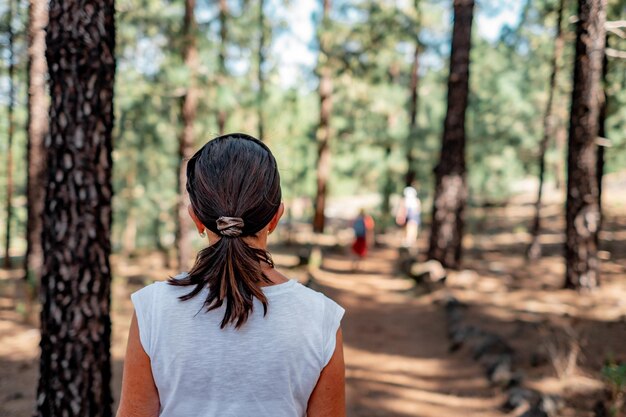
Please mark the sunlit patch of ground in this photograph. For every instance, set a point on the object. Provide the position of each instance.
(562, 338)
(396, 348)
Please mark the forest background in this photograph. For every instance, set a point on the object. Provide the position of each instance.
(371, 59)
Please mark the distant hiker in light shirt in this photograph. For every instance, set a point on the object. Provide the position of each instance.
(409, 216)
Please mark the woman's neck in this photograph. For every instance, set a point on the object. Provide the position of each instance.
(273, 275)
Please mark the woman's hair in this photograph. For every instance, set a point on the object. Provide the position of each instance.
(234, 189)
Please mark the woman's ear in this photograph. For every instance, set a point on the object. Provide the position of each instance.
(195, 219)
(276, 218)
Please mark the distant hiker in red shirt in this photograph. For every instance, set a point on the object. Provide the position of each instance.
(363, 227)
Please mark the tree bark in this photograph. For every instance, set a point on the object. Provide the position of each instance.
(323, 131)
(561, 139)
(221, 112)
(582, 207)
(385, 209)
(75, 366)
(413, 107)
(11, 111)
(37, 129)
(534, 250)
(163, 249)
(604, 102)
(129, 235)
(189, 105)
(450, 173)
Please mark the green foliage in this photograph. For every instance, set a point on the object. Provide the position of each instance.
(369, 52)
(614, 376)
(18, 149)
(615, 156)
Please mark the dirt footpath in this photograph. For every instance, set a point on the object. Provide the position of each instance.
(396, 350)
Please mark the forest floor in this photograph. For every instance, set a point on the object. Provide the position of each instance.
(396, 347)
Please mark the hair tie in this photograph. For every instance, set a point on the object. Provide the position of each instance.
(229, 226)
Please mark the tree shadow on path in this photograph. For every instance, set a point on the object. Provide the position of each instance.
(396, 348)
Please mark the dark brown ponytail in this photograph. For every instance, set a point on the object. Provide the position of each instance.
(236, 176)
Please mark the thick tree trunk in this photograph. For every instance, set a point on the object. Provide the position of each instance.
(37, 129)
(450, 181)
(75, 368)
(9, 196)
(221, 112)
(534, 250)
(189, 105)
(582, 208)
(413, 107)
(323, 130)
(260, 75)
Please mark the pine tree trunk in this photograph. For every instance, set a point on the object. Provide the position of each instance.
(388, 185)
(189, 104)
(604, 102)
(75, 367)
(582, 208)
(129, 235)
(163, 249)
(323, 131)
(561, 140)
(413, 106)
(37, 129)
(9, 196)
(260, 75)
(450, 180)
(385, 209)
(221, 112)
(534, 250)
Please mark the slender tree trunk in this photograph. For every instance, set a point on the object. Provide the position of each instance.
(221, 112)
(37, 129)
(323, 131)
(534, 250)
(129, 235)
(156, 230)
(561, 140)
(9, 202)
(75, 367)
(260, 75)
(450, 179)
(582, 208)
(604, 102)
(387, 186)
(413, 107)
(189, 106)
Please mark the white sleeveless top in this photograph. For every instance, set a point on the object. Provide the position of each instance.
(267, 368)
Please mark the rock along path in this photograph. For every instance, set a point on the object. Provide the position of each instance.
(396, 349)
